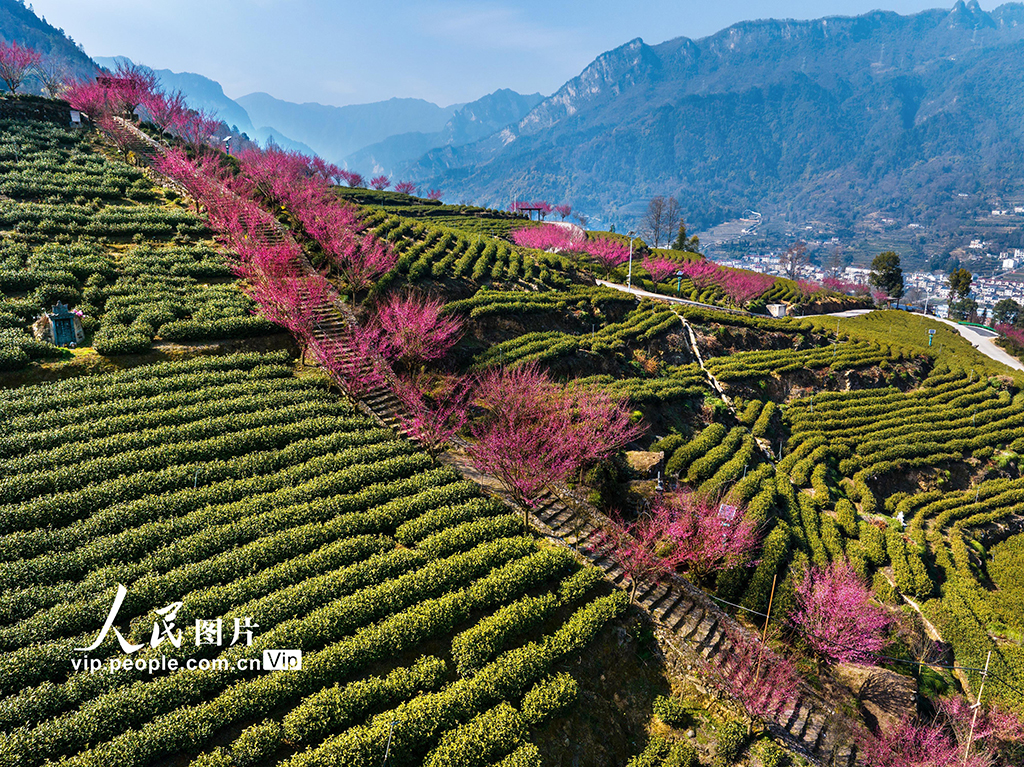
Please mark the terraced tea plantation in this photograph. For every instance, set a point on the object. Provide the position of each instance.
(178, 529)
(432, 251)
(96, 234)
(235, 492)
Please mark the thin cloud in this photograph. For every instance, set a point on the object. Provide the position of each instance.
(493, 28)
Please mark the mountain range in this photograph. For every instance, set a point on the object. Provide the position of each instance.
(380, 137)
(470, 123)
(856, 129)
(19, 23)
(839, 122)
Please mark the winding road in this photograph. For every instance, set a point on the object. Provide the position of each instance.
(982, 339)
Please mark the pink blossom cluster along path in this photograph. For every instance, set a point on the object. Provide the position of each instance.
(327, 319)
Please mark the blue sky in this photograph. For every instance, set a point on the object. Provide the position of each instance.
(445, 51)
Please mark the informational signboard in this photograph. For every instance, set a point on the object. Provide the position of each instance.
(727, 514)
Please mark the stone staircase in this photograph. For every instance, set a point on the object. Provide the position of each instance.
(697, 628)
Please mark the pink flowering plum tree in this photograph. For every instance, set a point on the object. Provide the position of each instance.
(198, 127)
(682, 532)
(412, 329)
(435, 194)
(351, 178)
(200, 178)
(116, 94)
(743, 287)
(1014, 336)
(706, 536)
(995, 737)
(836, 616)
(756, 676)
(87, 96)
(549, 237)
(808, 288)
(405, 187)
(702, 273)
(563, 211)
(637, 547)
(166, 110)
(536, 433)
(16, 62)
(434, 412)
(362, 259)
(287, 300)
(380, 183)
(840, 286)
(129, 86)
(659, 268)
(608, 254)
(277, 177)
(339, 231)
(323, 170)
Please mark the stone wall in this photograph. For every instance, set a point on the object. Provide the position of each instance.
(35, 108)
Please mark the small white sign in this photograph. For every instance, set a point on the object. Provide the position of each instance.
(726, 513)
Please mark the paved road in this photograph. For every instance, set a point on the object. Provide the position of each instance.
(982, 339)
(668, 299)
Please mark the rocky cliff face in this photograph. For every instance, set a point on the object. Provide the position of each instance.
(610, 75)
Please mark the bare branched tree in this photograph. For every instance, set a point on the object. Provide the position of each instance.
(672, 217)
(794, 258)
(653, 223)
(835, 266)
(53, 74)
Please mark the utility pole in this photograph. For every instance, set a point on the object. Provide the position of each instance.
(764, 633)
(387, 751)
(976, 706)
(629, 275)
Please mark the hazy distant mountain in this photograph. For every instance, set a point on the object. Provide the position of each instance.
(203, 93)
(837, 119)
(19, 24)
(336, 132)
(264, 135)
(200, 92)
(470, 123)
